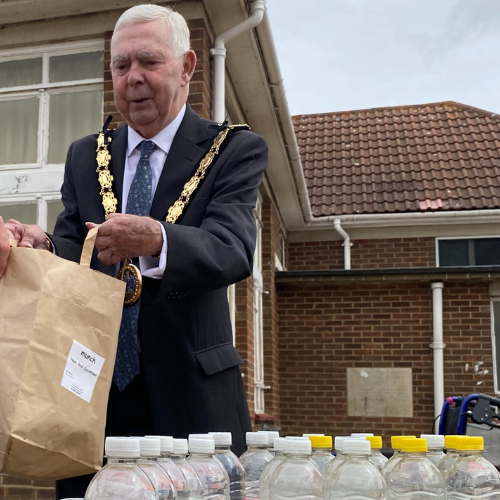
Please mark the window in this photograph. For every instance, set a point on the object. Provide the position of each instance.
(258, 327)
(469, 251)
(49, 97)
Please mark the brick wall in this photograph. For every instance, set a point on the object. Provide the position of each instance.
(15, 488)
(365, 254)
(324, 329)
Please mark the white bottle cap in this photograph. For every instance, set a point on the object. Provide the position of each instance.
(356, 446)
(257, 438)
(166, 443)
(272, 436)
(433, 440)
(279, 444)
(299, 445)
(222, 438)
(180, 447)
(201, 436)
(122, 447)
(338, 442)
(361, 434)
(150, 446)
(201, 445)
(307, 435)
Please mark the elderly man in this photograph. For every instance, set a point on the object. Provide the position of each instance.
(177, 371)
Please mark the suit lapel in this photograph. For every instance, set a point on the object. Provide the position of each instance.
(190, 144)
(117, 166)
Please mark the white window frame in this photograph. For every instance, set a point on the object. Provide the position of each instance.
(258, 320)
(45, 88)
(493, 345)
(437, 240)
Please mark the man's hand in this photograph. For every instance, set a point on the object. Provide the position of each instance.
(124, 236)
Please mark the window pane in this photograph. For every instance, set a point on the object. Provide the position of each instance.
(25, 213)
(487, 251)
(453, 253)
(72, 116)
(76, 67)
(21, 72)
(19, 131)
(54, 208)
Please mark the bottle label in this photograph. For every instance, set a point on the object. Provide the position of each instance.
(83, 368)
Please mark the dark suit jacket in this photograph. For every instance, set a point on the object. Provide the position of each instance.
(190, 365)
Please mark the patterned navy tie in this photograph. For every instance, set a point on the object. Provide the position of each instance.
(138, 203)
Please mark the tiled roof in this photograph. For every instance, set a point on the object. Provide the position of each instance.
(429, 157)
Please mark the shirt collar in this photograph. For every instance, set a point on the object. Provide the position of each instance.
(163, 139)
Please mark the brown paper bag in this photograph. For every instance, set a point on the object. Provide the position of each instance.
(59, 324)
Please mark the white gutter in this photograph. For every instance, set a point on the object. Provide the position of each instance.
(347, 243)
(407, 218)
(277, 89)
(219, 54)
(438, 346)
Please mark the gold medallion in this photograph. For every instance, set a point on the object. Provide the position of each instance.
(133, 279)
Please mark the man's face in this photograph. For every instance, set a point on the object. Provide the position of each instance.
(150, 83)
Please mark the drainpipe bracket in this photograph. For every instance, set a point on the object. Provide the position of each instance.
(437, 345)
(218, 51)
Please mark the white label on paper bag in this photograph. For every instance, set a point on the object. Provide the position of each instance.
(82, 370)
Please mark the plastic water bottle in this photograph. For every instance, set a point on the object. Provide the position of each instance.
(213, 478)
(339, 458)
(267, 473)
(472, 476)
(272, 435)
(180, 451)
(321, 450)
(231, 463)
(121, 478)
(175, 474)
(150, 452)
(376, 457)
(415, 477)
(450, 442)
(356, 478)
(298, 477)
(396, 457)
(435, 443)
(254, 461)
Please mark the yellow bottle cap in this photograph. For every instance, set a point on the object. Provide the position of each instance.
(321, 441)
(412, 445)
(450, 441)
(470, 443)
(376, 442)
(396, 441)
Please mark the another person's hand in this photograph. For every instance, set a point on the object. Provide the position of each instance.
(124, 236)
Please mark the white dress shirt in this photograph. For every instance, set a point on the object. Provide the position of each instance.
(151, 267)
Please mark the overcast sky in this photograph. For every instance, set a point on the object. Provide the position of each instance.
(353, 54)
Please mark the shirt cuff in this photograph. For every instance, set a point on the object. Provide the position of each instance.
(154, 267)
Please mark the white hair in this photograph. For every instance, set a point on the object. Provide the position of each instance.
(177, 34)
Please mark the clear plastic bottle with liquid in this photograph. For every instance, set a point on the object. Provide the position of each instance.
(333, 465)
(472, 477)
(450, 442)
(356, 478)
(435, 442)
(267, 473)
(213, 478)
(415, 477)
(254, 460)
(321, 450)
(298, 477)
(179, 454)
(148, 462)
(121, 478)
(231, 463)
(396, 457)
(376, 457)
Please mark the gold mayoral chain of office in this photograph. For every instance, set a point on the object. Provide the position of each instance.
(130, 273)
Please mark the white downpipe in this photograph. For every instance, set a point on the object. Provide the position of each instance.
(219, 54)
(347, 243)
(438, 346)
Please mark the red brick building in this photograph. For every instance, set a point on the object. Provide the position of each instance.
(336, 324)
